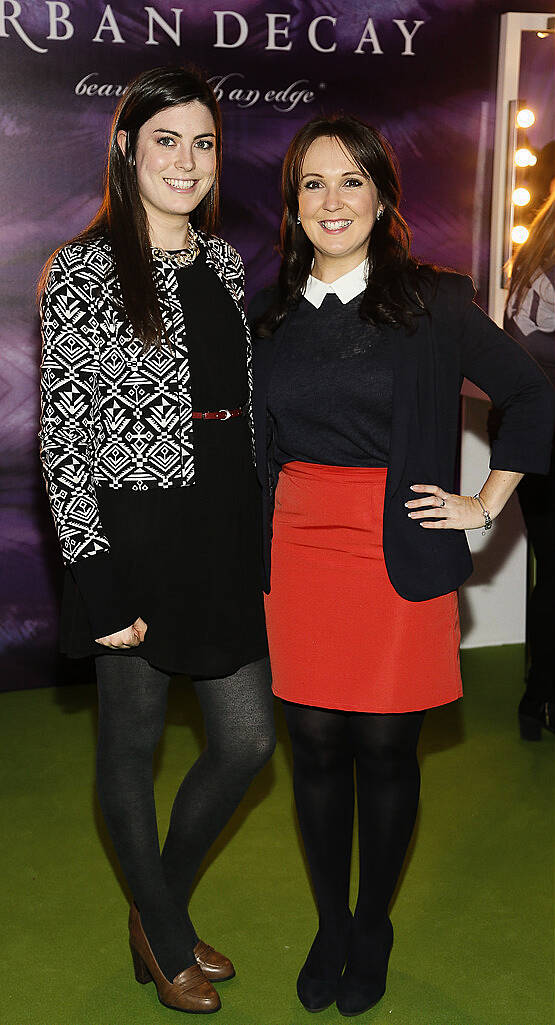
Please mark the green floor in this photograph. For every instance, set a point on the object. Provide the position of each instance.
(473, 916)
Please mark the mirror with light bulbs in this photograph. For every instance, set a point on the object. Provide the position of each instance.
(524, 155)
(534, 158)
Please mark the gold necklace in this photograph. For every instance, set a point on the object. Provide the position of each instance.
(182, 257)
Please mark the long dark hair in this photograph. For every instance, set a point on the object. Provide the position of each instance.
(122, 217)
(535, 255)
(393, 292)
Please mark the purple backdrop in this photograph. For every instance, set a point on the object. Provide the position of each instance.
(423, 72)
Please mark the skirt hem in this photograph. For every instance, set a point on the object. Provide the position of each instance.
(371, 711)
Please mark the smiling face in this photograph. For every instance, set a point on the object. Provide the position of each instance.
(175, 161)
(338, 204)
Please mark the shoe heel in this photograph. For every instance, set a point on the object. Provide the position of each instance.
(530, 729)
(142, 973)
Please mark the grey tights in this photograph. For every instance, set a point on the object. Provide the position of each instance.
(238, 718)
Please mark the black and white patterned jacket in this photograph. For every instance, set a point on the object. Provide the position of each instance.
(111, 414)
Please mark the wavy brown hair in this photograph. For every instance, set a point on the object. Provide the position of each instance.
(121, 218)
(535, 255)
(393, 294)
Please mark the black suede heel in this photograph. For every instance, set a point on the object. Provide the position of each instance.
(316, 994)
(533, 716)
(356, 994)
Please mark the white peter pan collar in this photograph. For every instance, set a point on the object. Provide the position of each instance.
(345, 288)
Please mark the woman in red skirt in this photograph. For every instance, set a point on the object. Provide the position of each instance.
(360, 356)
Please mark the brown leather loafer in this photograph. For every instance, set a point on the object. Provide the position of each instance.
(189, 991)
(214, 966)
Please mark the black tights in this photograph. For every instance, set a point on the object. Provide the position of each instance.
(239, 729)
(327, 746)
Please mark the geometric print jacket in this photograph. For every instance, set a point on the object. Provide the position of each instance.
(111, 414)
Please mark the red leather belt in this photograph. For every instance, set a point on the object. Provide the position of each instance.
(221, 414)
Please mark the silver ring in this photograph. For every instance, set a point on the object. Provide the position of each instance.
(442, 503)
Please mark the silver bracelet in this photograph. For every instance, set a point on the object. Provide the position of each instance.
(488, 522)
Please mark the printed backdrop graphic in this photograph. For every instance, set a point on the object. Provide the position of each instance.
(423, 72)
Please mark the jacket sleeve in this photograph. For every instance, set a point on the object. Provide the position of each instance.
(515, 383)
(69, 376)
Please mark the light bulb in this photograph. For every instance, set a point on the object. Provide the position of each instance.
(523, 157)
(519, 234)
(532, 160)
(521, 197)
(525, 118)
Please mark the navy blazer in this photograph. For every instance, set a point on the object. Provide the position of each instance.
(455, 339)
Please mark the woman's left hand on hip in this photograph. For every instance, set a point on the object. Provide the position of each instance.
(440, 510)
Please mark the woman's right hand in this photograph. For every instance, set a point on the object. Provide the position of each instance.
(131, 637)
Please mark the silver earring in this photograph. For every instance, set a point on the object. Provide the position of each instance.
(298, 218)
(379, 213)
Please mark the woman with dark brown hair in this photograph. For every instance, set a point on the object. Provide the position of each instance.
(530, 318)
(359, 358)
(147, 449)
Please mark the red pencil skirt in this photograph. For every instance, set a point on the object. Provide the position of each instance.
(339, 634)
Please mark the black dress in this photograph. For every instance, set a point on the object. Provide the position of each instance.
(189, 557)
